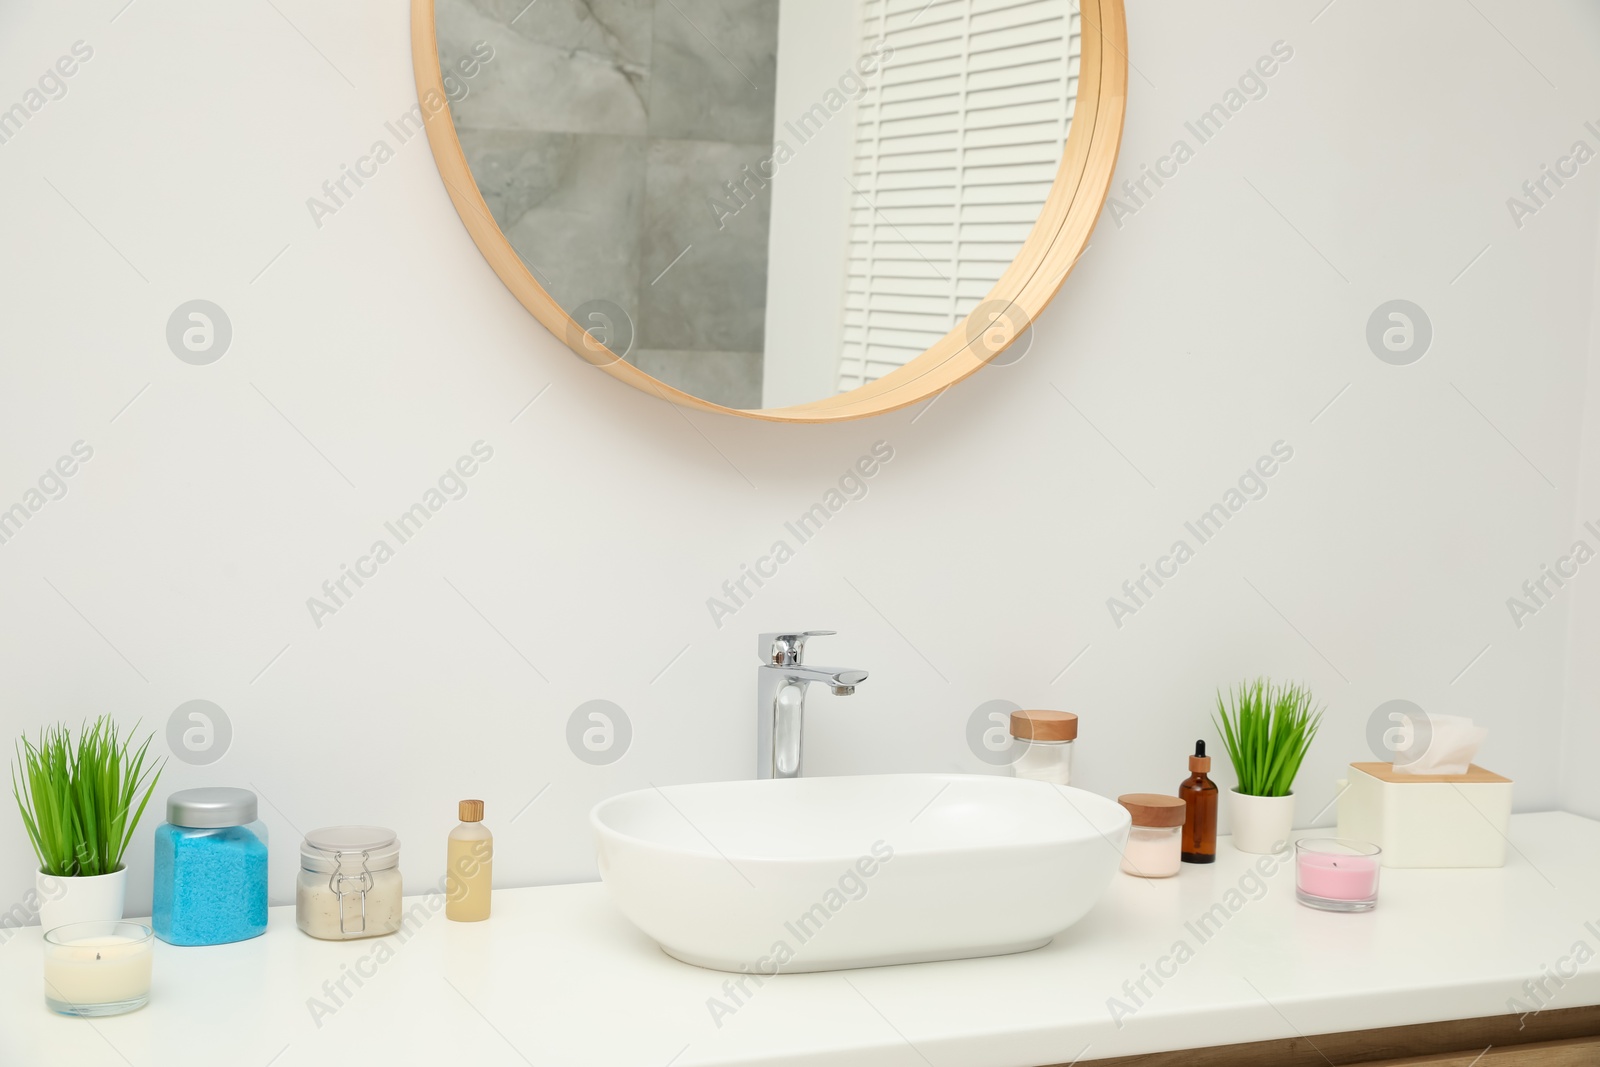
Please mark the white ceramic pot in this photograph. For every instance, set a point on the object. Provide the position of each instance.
(1261, 825)
(79, 900)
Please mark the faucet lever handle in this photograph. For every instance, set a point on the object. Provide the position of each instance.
(786, 649)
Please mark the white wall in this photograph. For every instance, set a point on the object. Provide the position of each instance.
(1209, 326)
(1580, 730)
(809, 239)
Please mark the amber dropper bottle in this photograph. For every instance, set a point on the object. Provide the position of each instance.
(1199, 796)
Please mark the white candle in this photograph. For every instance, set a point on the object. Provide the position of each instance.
(97, 968)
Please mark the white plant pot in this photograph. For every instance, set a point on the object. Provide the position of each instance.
(78, 900)
(1261, 825)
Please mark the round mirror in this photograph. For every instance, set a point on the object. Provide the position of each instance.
(797, 210)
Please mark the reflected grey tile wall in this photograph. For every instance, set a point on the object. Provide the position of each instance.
(707, 270)
(560, 66)
(600, 136)
(571, 205)
(716, 70)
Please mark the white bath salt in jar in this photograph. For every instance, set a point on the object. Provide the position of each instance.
(349, 883)
(1047, 738)
(1155, 842)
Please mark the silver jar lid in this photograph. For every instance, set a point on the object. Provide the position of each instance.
(351, 847)
(211, 807)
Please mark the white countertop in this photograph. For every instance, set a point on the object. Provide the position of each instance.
(558, 976)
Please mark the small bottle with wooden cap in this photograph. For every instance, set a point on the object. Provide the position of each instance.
(469, 867)
(1047, 738)
(1155, 842)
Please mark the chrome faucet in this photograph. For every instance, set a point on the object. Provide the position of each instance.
(781, 699)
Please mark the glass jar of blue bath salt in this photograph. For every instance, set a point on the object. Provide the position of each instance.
(211, 868)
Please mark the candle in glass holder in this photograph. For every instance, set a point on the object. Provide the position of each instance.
(97, 968)
(1336, 875)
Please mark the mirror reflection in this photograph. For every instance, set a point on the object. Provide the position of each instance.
(763, 203)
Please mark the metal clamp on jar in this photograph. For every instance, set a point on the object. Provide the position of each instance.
(349, 883)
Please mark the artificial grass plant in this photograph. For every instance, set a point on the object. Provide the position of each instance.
(1267, 733)
(80, 801)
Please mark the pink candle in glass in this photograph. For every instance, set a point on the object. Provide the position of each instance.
(1336, 875)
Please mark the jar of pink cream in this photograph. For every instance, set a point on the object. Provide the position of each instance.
(1155, 842)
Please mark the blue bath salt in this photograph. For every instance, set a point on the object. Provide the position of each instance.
(210, 885)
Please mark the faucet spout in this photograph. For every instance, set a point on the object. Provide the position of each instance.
(837, 677)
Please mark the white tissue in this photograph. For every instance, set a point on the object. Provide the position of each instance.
(1445, 745)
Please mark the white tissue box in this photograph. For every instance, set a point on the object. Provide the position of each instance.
(1427, 820)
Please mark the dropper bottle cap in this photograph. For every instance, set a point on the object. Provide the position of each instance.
(1199, 763)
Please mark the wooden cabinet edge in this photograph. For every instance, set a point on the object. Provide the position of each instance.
(1567, 1037)
(1573, 1052)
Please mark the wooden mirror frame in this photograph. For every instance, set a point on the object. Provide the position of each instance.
(1057, 239)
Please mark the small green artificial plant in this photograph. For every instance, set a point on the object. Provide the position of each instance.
(1267, 733)
(76, 797)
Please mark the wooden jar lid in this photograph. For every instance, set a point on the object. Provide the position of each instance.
(1153, 809)
(1044, 725)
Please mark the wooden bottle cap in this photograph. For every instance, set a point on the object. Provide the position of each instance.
(1044, 725)
(1153, 809)
(471, 810)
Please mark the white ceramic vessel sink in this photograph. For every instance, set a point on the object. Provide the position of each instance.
(815, 874)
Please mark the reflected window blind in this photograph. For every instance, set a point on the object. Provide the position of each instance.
(957, 145)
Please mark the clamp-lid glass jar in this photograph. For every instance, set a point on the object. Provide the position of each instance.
(349, 883)
(210, 869)
(1048, 737)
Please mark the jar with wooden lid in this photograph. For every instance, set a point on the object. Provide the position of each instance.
(1047, 739)
(1155, 841)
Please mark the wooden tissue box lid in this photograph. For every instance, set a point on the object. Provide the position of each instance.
(1385, 772)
